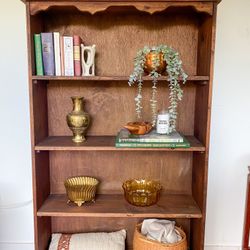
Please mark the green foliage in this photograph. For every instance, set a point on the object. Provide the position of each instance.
(174, 72)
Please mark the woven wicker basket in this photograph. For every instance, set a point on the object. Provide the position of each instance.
(141, 242)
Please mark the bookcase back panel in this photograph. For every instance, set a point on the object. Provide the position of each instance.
(118, 36)
(80, 225)
(172, 169)
(111, 105)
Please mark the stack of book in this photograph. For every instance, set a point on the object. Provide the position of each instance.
(151, 140)
(57, 55)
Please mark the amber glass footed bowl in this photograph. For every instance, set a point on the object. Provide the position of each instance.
(81, 189)
(142, 192)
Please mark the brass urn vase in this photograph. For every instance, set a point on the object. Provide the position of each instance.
(78, 120)
(149, 63)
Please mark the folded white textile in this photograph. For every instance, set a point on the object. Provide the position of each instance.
(161, 230)
(89, 241)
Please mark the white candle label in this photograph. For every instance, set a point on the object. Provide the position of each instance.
(162, 126)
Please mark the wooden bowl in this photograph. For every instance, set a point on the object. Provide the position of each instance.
(139, 128)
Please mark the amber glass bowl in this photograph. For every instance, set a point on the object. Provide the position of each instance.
(142, 192)
(81, 189)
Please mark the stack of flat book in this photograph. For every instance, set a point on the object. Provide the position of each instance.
(125, 139)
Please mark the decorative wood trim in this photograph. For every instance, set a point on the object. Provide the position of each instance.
(215, 1)
(94, 7)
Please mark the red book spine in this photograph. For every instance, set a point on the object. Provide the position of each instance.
(77, 55)
(62, 55)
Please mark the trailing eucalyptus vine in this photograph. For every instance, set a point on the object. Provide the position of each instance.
(174, 72)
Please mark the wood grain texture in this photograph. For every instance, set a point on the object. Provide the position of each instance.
(39, 130)
(78, 224)
(43, 231)
(95, 7)
(202, 125)
(203, 102)
(41, 189)
(169, 206)
(197, 79)
(36, 27)
(246, 229)
(104, 143)
(40, 111)
(118, 36)
(118, 32)
(111, 106)
(69, 1)
(172, 169)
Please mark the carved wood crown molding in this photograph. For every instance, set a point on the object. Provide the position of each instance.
(215, 1)
(94, 7)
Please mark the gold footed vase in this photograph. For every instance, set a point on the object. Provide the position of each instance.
(78, 120)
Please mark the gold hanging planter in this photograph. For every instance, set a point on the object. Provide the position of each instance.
(149, 63)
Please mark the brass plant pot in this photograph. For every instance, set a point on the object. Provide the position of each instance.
(78, 120)
(149, 66)
(81, 189)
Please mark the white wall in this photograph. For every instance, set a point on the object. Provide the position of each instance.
(229, 155)
(16, 224)
(229, 150)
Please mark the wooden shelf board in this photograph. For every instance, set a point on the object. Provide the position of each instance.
(169, 206)
(110, 78)
(103, 143)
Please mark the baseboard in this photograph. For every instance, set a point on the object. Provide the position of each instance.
(222, 248)
(16, 246)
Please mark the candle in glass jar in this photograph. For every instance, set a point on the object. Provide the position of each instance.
(162, 126)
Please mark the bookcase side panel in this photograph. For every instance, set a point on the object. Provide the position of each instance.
(202, 125)
(39, 131)
(41, 165)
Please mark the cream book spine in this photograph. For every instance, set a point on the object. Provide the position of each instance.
(57, 53)
(68, 56)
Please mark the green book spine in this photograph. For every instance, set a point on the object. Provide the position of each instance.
(163, 145)
(185, 144)
(38, 55)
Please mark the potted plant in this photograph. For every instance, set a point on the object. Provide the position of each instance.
(155, 61)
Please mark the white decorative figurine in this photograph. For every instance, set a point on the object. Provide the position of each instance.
(88, 60)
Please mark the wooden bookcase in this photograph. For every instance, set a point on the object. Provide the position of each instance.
(119, 29)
